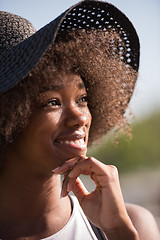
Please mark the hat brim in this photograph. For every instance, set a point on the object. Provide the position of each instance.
(22, 58)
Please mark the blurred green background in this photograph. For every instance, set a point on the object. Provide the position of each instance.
(142, 151)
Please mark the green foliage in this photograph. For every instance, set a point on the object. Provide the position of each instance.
(142, 151)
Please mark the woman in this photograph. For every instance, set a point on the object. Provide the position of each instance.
(61, 87)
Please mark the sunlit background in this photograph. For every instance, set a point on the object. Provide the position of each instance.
(138, 159)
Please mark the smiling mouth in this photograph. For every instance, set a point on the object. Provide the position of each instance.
(76, 143)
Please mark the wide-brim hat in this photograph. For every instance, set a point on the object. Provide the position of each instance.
(22, 47)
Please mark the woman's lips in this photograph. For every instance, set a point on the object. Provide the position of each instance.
(78, 144)
(75, 142)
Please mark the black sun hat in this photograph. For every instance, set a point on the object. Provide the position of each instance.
(21, 47)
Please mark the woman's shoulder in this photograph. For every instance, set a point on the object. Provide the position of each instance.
(143, 221)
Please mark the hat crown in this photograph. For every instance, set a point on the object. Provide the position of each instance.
(13, 30)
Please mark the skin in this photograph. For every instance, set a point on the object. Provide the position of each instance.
(55, 143)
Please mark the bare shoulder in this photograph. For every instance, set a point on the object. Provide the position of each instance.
(143, 221)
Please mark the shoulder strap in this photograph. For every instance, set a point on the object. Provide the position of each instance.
(98, 232)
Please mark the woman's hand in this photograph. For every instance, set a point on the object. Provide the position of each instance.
(104, 207)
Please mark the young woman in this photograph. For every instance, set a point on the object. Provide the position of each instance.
(63, 88)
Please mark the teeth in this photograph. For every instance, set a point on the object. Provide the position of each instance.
(81, 141)
(75, 142)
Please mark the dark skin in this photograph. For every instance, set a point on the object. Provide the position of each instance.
(31, 195)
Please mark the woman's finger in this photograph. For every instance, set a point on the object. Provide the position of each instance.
(68, 165)
(77, 187)
(87, 167)
(64, 191)
(100, 173)
(65, 166)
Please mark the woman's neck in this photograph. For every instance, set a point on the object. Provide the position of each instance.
(31, 204)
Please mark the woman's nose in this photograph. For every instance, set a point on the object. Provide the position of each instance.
(76, 118)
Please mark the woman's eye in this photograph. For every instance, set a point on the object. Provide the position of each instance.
(83, 100)
(53, 103)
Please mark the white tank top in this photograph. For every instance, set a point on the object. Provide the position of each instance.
(77, 228)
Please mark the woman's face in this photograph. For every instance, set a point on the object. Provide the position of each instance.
(59, 126)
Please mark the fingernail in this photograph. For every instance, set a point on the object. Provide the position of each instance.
(68, 187)
(56, 169)
(63, 193)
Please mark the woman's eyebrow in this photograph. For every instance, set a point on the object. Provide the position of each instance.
(53, 87)
(59, 87)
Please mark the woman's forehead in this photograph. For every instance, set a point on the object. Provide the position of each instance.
(64, 80)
